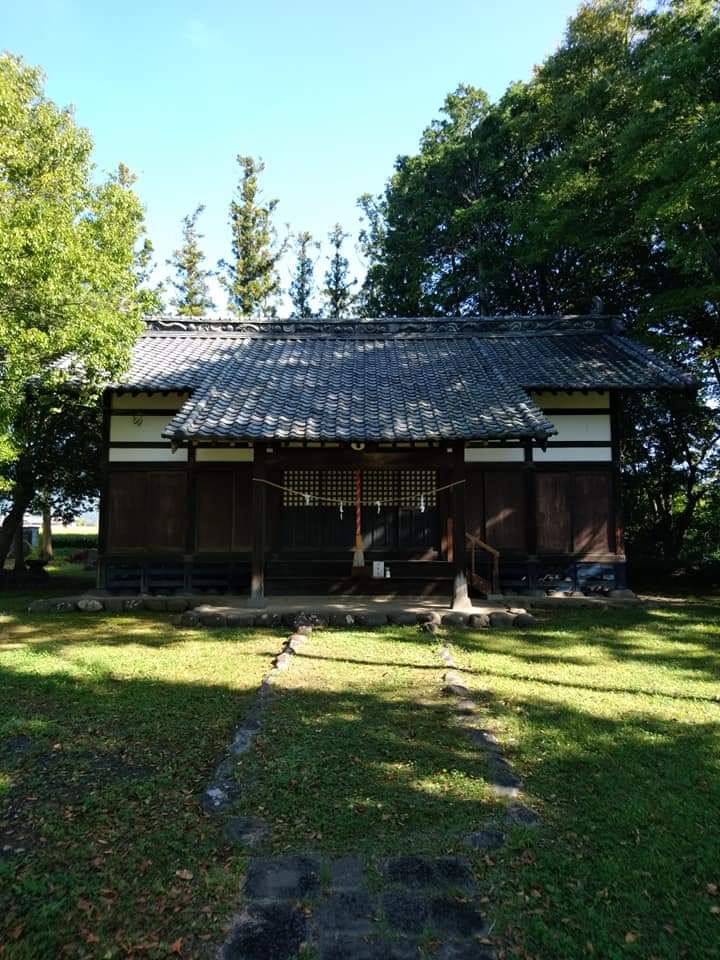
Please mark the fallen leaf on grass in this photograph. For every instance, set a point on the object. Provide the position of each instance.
(184, 874)
(177, 946)
(630, 937)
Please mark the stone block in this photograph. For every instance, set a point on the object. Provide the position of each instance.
(177, 604)
(347, 911)
(267, 619)
(240, 618)
(479, 621)
(371, 619)
(209, 618)
(281, 878)
(402, 618)
(525, 620)
(490, 838)
(134, 603)
(341, 620)
(89, 605)
(455, 690)
(156, 604)
(429, 626)
(502, 620)
(418, 872)
(114, 604)
(267, 931)
(190, 619)
(455, 619)
(451, 917)
(245, 831)
(429, 616)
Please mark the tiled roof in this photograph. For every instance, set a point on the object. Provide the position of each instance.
(382, 380)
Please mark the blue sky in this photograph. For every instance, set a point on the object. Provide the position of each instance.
(327, 93)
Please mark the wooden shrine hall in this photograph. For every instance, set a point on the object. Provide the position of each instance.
(417, 457)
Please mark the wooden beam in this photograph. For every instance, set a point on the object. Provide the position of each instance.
(259, 522)
(460, 587)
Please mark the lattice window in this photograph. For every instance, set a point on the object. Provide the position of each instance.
(416, 487)
(321, 486)
(393, 488)
(379, 485)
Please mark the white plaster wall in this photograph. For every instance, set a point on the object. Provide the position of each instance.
(148, 429)
(572, 454)
(150, 455)
(496, 455)
(595, 427)
(225, 454)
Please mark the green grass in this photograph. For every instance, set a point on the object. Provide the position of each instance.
(110, 726)
(614, 722)
(359, 754)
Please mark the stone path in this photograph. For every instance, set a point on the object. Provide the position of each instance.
(305, 906)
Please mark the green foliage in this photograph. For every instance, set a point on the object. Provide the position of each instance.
(192, 297)
(597, 178)
(302, 285)
(68, 286)
(337, 292)
(74, 276)
(251, 277)
(75, 541)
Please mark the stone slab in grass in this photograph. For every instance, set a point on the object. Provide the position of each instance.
(439, 873)
(347, 947)
(281, 878)
(452, 917)
(402, 618)
(467, 950)
(347, 911)
(245, 831)
(405, 910)
(455, 619)
(489, 838)
(346, 873)
(267, 931)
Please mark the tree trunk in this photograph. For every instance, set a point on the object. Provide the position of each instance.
(19, 548)
(10, 524)
(46, 546)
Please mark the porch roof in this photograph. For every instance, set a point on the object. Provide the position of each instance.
(382, 380)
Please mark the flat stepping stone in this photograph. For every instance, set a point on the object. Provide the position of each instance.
(484, 739)
(246, 831)
(434, 872)
(282, 878)
(466, 706)
(267, 931)
(502, 779)
(517, 814)
(405, 910)
(347, 947)
(455, 690)
(489, 838)
(469, 950)
(347, 873)
(349, 911)
(450, 917)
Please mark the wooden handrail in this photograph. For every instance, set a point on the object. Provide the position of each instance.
(495, 554)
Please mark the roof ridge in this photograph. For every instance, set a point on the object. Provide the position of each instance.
(366, 327)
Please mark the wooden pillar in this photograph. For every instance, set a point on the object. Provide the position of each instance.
(259, 522)
(190, 515)
(103, 507)
(460, 587)
(531, 527)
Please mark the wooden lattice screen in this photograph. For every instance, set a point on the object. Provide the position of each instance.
(397, 488)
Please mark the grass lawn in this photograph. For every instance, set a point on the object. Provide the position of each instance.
(110, 726)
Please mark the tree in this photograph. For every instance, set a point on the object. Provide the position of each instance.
(251, 277)
(302, 285)
(70, 300)
(595, 178)
(337, 292)
(192, 298)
